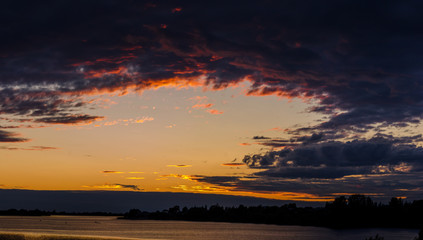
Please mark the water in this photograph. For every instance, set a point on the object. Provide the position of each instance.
(181, 230)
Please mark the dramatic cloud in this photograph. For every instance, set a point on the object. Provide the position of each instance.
(358, 62)
(384, 166)
(339, 159)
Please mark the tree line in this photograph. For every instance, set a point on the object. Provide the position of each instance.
(356, 211)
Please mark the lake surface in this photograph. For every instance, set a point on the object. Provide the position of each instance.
(181, 230)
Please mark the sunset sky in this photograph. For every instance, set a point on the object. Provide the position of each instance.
(293, 100)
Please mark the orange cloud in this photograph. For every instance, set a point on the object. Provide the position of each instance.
(121, 70)
(144, 119)
(233, 164)
(200, 188)
(186, 177)
(180, 165)
(203, 105)
(277, 129)
(244, 144)
(134, 178)
(214, 111)
(128, 121)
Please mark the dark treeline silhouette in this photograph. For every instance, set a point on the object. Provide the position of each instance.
(36, 212)
(356, 211)
(24, 212)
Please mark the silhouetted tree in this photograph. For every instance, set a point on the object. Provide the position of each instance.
(352, 212)
(396, 203)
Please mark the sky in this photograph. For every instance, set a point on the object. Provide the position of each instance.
(289, 100)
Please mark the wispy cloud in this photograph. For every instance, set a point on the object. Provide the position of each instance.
(244, 144)
(214, 111)
(128, 121)
(32, 148)
(115, 186)
(180, 165)
(203, 105)
(111, 172)
(69, 119)
(181, 176)
(144, 119)
(233, 164)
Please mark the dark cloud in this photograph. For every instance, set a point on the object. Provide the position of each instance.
(361, 59)
(339, 159)
(383, 165)
(70, 119)
(383, 187)
(8, 127)
(133, 187)
(260, 137)
(116, 186)
(11, 137)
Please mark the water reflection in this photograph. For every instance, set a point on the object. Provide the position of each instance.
(180, 230)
